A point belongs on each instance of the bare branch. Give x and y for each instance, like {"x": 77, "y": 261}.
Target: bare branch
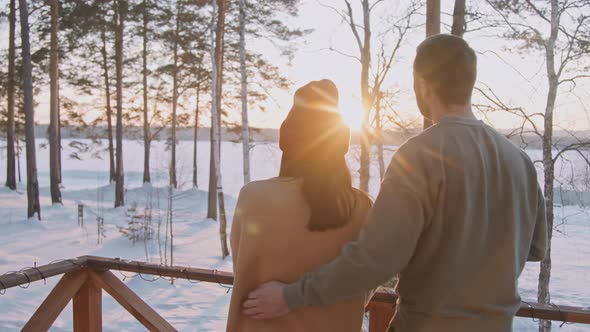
{"x": 539, "y": 12}
{"x": 375, "y": 4}
{"x": 353, "y": 26}
{"x": 341, "y": 53}
{"x": 571, "y": 43}
{"x": 578, "y": 147}
{"x": 513, "y": 25}
{"x": 573, "y": 79}
{"x": 491, "y": 96}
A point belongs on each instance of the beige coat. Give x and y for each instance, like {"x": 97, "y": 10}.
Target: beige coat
{"x": 270, "y": 241}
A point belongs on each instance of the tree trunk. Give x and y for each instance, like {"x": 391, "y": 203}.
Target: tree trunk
{"x": 432, "y": 28}
{"x": 379, "y": 126}
{"x": 54, "y": 106}
{"x": 173, "y": 180}
{"x": 196, "y": 132}
{"x": 458, "y": 18}
{"x": 107, "y": 87}
{"x": 244, "y": 94}
{"x": 10, "y": 137}
{"x": 171, "y": 218}
{"x": 120, "y": 8}
{"x": 216, "y": 98}
{"x": 365, "y": 162}
{"x": 146, "y": 124}
{"x": 59, "y": 147}
{"x": 32, "y": 181}
{"x": 543, "y": 293}
{"x": 18, "y": 158}
{"x": 211, "y": 195}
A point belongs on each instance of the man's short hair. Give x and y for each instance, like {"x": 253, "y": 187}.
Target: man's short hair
{"x": 450, "y": 65}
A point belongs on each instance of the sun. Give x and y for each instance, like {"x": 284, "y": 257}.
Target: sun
{"x": 351, "y": 111}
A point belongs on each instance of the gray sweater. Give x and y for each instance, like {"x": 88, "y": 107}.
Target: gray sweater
{"x": 459, "y": 213}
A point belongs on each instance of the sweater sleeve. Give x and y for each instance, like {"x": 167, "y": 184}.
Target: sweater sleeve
{"x": 384, "y": 247}
{"x": 540, "y": 237}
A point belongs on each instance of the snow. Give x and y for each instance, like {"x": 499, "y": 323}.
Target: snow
{"x": 190, "y": 306}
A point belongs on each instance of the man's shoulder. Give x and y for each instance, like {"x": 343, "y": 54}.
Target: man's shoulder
{"x": 428, "y": 136}
{"x": 416, "y": 146}
{"x": 510, "y": 147}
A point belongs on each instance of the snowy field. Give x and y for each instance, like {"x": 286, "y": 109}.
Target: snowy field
{"x": 196, "y": 306}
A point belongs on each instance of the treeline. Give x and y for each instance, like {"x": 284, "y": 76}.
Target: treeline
{"x": 137, "y": 63}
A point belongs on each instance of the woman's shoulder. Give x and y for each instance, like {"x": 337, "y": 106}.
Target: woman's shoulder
{"x": 269, "y": 186}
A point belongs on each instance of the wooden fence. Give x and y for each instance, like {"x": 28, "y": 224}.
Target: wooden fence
{"x": 85, "y": 277}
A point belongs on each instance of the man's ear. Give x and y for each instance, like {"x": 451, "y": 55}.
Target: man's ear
{"x": 421, "y": 88}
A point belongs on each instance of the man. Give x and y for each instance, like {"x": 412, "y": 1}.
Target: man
{"x": 459, "y": 213}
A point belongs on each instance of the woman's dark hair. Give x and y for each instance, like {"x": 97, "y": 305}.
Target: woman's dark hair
{"x": 327, "y": 187}
{"x": 314, "y": 141}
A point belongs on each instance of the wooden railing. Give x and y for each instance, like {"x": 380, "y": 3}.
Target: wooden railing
{"x": 85, "y": 277}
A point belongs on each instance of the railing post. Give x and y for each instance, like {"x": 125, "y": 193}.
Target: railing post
{"x": 131, "y": 301}
{"x": 88, "y": 308}
{"x": 56, "y": 301}
{"x": 380, "y": 315}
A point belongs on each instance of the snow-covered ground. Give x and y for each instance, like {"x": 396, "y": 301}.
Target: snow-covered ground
{"x": 192, "y": 306}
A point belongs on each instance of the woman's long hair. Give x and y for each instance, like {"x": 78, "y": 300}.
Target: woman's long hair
{"x": 327, "y": 187}
{"x": 314, "y": 141}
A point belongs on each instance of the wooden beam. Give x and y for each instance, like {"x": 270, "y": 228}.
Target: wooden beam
{"x": 27, "y": 276}
{"x": 555, "y": 313}
{"x": 56, "y": 301}
{"x": 578, "y": 315}
{"x": 380, "y": 315}
{"x": 131, "y": 301}
{"x": 182, "y": 272}
{"x": 527, "y": 310}
{"x": 383, "y": 295}
{"x": 88, "y": 308}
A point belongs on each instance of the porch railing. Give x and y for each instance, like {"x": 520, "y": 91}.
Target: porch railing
{"x": 85, "y": 277}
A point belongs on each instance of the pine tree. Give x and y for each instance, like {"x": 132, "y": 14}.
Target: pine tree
{"x": 120, "y": 8}
{"x": 244, "y": 94}
{"x": 175, "y": 69}
{"x": 54, "y": 144}
{"x": 33, "y": 206}
{"x": 146, "y": 124}
{"x": 217, "y": 73}
{"x": 10, "y": 127}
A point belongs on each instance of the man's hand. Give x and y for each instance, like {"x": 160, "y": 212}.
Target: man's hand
{"x": 266, "y": 302}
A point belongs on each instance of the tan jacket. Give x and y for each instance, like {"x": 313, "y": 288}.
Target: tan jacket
{"x": 270, "y": 241}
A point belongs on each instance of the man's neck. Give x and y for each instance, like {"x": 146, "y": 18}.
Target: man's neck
{"x": 456, "y": 111}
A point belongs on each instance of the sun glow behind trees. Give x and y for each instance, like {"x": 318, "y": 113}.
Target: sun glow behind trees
{"x": 509, "y": 73}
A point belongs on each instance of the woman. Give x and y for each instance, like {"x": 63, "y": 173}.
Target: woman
{"x": 288, "y": 225}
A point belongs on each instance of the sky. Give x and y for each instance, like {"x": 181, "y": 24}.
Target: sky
{"x": 517, "y": 78}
